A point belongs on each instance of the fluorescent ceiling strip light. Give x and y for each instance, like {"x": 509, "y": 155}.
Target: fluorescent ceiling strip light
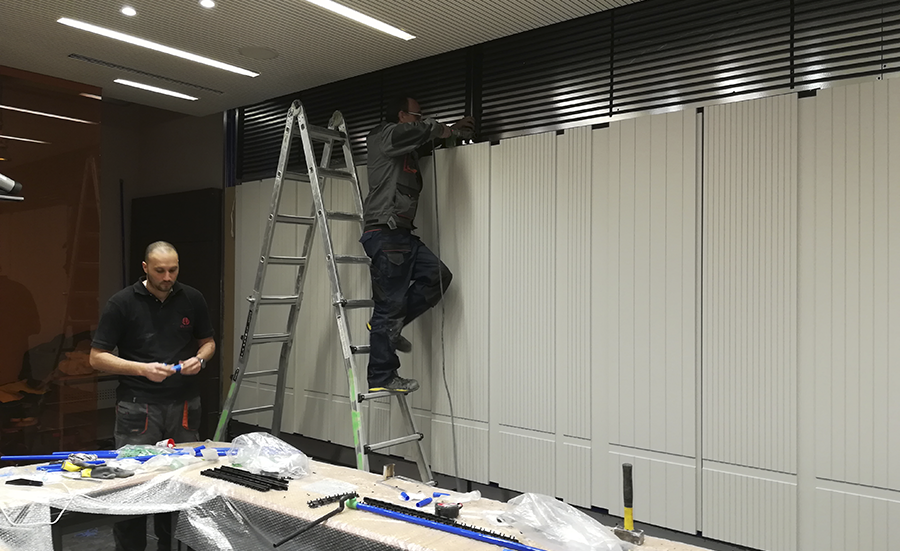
{"x": 22, "y": 139}
{"x": 92, "y": 96}
{"x": 51, "y": 115}
{"x": 154, "y": 89}
{"x": 361, "y": 18}
{"x": 154, "y": 46}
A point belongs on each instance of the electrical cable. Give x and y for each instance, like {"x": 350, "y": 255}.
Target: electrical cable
{"x": 52, "y": 522}
{"x": 437, "y": 234}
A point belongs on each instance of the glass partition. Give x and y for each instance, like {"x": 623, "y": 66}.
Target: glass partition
{"x": 50, "y": 398}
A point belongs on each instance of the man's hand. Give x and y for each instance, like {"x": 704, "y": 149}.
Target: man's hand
{"x": 190, "y": 366}
{"x": 157, "y": 372}
{"x": 464, "y": 127}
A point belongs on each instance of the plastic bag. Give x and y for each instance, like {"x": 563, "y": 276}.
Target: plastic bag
{"x": 168, "y": 462}
{"x": 143, "y": 450}
{"x": 260, "y": 452}
{"x": 557, "y": 526}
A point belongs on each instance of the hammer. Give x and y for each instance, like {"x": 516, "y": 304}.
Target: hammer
{"x": 628, "y": 533}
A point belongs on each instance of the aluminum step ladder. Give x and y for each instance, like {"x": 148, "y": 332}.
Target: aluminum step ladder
{"x": 334, "y": 135}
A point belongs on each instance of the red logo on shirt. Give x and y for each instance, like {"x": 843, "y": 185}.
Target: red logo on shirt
{"x": 185, "y": 322}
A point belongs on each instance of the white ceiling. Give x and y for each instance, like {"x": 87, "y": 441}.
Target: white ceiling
{"x": 315, "y": 46}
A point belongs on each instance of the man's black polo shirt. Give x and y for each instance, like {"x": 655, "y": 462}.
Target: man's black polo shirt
{"x": 147, "y": 330}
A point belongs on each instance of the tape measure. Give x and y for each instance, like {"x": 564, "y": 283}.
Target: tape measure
{"x": 447, "y": 510}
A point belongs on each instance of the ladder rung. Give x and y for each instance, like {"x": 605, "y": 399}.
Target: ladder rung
{"x": 295, "y": 176}
{"x": 396, "y": 441}
{"x": 362, "y": 397}
{"x": 288, "y": 260}
{"x": 263, "y": 338}
{"x": 356, "y": 303}
{"x": 348, "y": 216}
{"x": 360, "y": 348}
{"x": 294, "y": 219}
{"x": 261, "y": 373}
{"x": 251, "y": 410}
{"x": 325, "y": 134}
{"x": 336, "y": 174}
{"x": 287, "y": 299}
{"x": 351, "y": 259}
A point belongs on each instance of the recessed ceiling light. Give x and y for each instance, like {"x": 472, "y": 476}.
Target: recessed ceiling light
{"x": 207, "y": 3}
{"x": 129, "y": 11}
{"x": 154, "y": 89}
{"x": 51, "y": 115}
{"x": 154, "y": 46}
{"x": 364, "y": 19}
{"x": 22, "y": 139}
{"x": 2, "y": 159}
{"x": 92, "y": 96}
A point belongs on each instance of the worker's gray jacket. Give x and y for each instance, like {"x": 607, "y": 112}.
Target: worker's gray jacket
{"x": 393, "y": 166}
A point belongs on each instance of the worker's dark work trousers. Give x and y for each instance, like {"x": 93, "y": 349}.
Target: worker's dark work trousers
{"x": 406, "y": 281}
{"x": 148, "y": 424}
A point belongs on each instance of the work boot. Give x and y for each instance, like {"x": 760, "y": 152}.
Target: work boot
{"x": 401, "y": 343}
{"x": 397, "y": 384}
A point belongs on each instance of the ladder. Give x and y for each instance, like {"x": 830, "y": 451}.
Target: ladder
{"x": 84, "y": 261}
{"x": 334, "y": 135}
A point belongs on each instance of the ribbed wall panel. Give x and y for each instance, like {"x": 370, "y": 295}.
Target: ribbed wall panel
{"x": 459, "y": 235}
{"x": 573, "y": 472}
{"x": 647, "y": 225}
{"x": 603, "y": 319}
{"x": 527, "y": 458}
{"x": 848, "y": 520}
{"x": 472, "y": 446}
{"x": 522, "y": 279}
{"x": 852, "y": 262}
{"x": 572, "y": 259}
{"x": 749, "y": 280}
{"x": 665, "y": 488}
{"x": 763, "y": 517}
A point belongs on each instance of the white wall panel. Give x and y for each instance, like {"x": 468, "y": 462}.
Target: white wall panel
{"x": 644, "y": 358}
{"x": 523, "y": 207}
{"x": 573, "y": 471}
{"x": 851, "y": 262}
{"x": 604, "y": 369}
{"x": 749, "y": 280}
{"x": 648, "y": 224}
{"x": 856, "y": 518}
{"x": 528, "y": 459}
{"x": 571, "y": 255}
{"x": 572, "y": 327}
{"x": 461, "y": 237}
{"x": 472, "y": 445}
{"x": 749, "y": 320}
{"x": 763, "y": 514}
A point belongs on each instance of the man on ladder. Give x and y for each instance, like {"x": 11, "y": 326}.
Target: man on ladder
{"x": 407, "y": 278}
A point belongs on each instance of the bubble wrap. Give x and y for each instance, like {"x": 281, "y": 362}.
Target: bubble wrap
{"x": 209, "y": 518}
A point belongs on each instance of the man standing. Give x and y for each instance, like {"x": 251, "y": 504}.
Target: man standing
{"x": 407, "y": 278}
{"x": 164, "y": 338}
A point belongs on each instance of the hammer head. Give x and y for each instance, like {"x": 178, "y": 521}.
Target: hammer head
{"x": 631, "y": 536}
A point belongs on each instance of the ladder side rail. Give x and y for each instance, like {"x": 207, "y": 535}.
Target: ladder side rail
{"x": 250, "y": 327}
{"x": 338, "y": 122}
{"x": 351, "y": 167}
{"x": 362, "y": 461}
{"x": 299, "y": 284}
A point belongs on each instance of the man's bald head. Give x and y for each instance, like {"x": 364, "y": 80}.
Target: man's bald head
{"x": 158, "y": 247}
